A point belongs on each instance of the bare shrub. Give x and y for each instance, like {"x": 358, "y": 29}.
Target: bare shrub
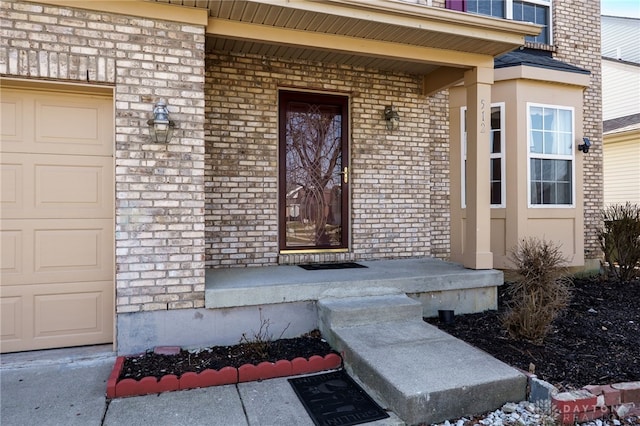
{"x": 541, "y": 291}
{"x": 259, "y": 344}
{"x": 620, "y": 241}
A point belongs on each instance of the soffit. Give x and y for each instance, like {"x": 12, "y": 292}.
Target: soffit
{"x": 394, "y": 25}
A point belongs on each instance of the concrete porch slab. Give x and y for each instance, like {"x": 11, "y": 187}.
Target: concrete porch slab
{"x": 234, "y": 287}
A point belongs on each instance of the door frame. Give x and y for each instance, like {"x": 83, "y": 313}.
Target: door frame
{"x": 343, "y": 101}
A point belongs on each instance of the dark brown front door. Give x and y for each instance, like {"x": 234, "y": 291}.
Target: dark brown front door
{"x": 314, "y": 171}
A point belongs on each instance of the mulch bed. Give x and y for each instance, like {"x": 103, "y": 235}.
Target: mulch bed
{"x": 216, "y": 357}
{"x": 595, "y": 341}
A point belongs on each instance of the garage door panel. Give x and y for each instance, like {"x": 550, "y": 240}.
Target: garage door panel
{"x": 11, "y": 315}
{"x": 48, "y": 186}
{"x": 67, "y": 124}
{"x": 65, "y": 313}
{"x": 45, "y": 316}
{"x": 11, "y": 185}
{"x": 68, "y": 249}
{"x": 11, "y": 256}
{"x": 48, "y": 122}
{"x": 57, "y": 250}
{"x": 56, "y": 222}
{"x": 66, "y": 184}
{"x": 11, "y": 118}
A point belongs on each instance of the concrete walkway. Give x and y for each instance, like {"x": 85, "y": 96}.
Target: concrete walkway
{"x": 56, "y": 388}
{"x": 421, "y": 373}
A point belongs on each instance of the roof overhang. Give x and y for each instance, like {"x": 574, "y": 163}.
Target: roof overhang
{"x": 527, "y": 72}
{"x": 391, "y": 35}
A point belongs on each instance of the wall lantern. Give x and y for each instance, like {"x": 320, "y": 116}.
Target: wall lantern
{"x": 584, "y": 147}
{"x": 391, "y": 117}
{"x": 160, "y": 126}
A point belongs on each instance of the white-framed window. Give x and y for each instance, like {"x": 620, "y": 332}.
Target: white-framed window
{"x": 495, "y": 8}
{"x": 497, "y": 156}
{"x": 537, "y": 12}
{"x": 534, "y": 11}
{"x": 551, "y": 156}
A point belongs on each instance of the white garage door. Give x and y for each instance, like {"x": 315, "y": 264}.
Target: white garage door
{"x": 56, "y": 223}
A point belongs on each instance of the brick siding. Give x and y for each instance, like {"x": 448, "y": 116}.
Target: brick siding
{"x": 159, "y": 212}
{"x": 399, "y": 189}
{"x": 577, "y": 40}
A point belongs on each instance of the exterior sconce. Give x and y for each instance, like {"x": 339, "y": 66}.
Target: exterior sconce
{"x": 160, "y": 126}
{"x": 391, "y": 118}
{"x": 585, "y": 146}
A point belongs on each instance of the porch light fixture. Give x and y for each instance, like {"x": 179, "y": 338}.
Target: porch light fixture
{"x": 391, "y": 117}
{"x": 160, "y": 126}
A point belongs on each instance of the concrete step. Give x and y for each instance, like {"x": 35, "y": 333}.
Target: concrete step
{"x": 421, "y": 373}
{"x": 352, "y": 311}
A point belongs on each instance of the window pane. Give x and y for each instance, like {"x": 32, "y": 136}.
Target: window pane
{"x": 472, "y": 6}
{"x": 528, "y": 12}
{"x": 484, "y": 7}
{"x": 548, "y": 193}
{"x": 565, "y": 144}
{"x": 496, "y": 169}
{"x": 536, "y": 169}
{"x": 541, "y": 15}
{"x": 495, "y": 118}
{"x": 564, "y": 193}
{"x": 495, "y": 142}
{"x": 549, "y": 143}
{"x": 536, "y": 188}
{"x": 548, "y": 170}
{"x": 563, "y": 170}
{"x": 536, "y": 118}
{"x": 536, "y": 141}
{"x": 498, "y": 9}
{"x": 517, "y": 10}
{"x": 564, "y": 120}
{"x": 550, "y": 119}
{"x": 496, "y": 195}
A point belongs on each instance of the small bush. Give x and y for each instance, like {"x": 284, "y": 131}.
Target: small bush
{"x": 259, "y": 344}
{"x": 541, "y": 291}
{"x": 620, "y": 241}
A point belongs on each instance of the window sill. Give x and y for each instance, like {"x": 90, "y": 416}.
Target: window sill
{"x": 540, "y": 46}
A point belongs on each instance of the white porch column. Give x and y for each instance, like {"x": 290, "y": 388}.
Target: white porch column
{"x": 477, "y": 240}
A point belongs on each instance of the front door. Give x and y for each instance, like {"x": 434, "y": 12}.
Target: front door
{"x": 314, "y": 172}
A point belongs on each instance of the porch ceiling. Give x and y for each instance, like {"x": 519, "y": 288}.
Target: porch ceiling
{"x": 390, "y": 35}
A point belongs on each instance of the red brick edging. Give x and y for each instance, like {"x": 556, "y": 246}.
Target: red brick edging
{"x": 224, "y": 376}
{"x": 597, "y": 401}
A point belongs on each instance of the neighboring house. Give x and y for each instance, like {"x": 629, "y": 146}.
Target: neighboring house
{"x": 621, "y": 109}
{"x": 305, "y": 131}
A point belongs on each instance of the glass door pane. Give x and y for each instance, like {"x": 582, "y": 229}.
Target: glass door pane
{"x": 314, "y": 173}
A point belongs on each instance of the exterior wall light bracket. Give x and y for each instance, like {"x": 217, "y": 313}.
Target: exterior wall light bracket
{"x": 584, "y": 147}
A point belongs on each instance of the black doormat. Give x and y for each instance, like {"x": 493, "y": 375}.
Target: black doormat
{"x": 324, "y": 266}
{"x": 334, "y": 399}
